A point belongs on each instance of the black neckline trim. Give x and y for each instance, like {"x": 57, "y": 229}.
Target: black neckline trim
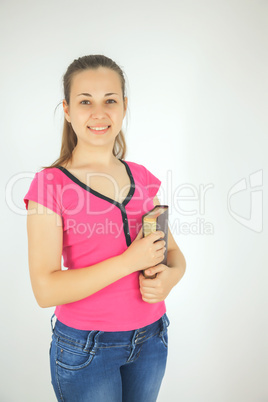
{"x": 96, "y": 193}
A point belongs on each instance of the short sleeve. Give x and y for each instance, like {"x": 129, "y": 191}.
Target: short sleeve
{"x": 45, "y": 191}
{"x": 152, "y": 183}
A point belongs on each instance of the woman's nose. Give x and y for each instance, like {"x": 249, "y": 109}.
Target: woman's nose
{"x": 97, "y": 112}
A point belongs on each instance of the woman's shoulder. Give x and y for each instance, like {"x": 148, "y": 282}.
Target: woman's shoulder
{"x": 135, "y": 165}
{"x": 138, "y": 168}
{"x": 50, "y": 174}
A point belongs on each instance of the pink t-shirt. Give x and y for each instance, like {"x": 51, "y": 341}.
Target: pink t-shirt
{"x": 96, "y": 228}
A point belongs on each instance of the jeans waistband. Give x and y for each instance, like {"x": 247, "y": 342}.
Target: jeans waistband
{"x": 85, "y": 338}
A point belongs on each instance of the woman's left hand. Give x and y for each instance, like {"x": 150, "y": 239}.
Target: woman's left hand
{"x": 157, "y": 289}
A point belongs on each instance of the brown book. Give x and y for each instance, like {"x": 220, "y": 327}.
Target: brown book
{"x": 156, "y": 219}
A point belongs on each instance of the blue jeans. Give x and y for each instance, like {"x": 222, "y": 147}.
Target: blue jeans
{"x": 98, "y": 366}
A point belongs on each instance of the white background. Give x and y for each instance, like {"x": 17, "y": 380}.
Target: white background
{"x": 197, "y": 87}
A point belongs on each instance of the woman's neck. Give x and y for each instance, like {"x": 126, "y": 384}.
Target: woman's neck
{"x": 101, "y": 159}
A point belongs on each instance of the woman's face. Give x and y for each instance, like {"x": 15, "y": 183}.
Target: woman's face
{"x": 96, "y": 108}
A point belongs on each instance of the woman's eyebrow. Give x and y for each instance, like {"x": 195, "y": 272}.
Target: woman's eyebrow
{"x": 108, "y": 94}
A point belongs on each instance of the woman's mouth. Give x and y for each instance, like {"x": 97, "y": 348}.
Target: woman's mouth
{"x": 99, "y": 129}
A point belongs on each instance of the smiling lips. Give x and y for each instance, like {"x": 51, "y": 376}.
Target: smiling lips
{"x": 99, "y": 129}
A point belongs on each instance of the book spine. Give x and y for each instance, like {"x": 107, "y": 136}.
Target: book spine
{"x": 162, "y": 224}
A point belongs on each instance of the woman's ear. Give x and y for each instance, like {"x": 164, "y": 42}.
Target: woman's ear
{"x": 125, "y": 105}
{"x": 66, "y": 110}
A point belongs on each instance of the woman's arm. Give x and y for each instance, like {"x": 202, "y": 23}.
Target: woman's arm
{"x": 155, "y": 290}
{"x": 53, "y": 286}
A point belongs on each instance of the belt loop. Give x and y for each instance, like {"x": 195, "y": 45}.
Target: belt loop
{"x": 92, "y": 341}
{"x": 167, "y": 320}
{"x": 95, "y": 346}
{"x": 89, "y": 340}
{"x": 133, "y": 343}
{"x": 51, "y": 322}
{"x": 165, "y": 323}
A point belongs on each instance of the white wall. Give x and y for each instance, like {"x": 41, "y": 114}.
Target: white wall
{"x": 197, "y": 80}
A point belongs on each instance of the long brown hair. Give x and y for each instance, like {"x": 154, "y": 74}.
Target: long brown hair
{"x": 69, "y": 138}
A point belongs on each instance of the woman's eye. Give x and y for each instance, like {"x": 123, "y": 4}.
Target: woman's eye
{"x": 85, "y": 102}
{"x": 111, "y": 101}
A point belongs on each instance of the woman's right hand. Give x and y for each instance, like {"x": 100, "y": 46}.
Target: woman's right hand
{"x": 145, "y": 252}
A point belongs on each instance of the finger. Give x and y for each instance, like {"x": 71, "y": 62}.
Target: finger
{"x": 157, "y": 235}
{"x": 150, "y": 284}
{"x": 150, "y": 296}
{"x": 146, "y": 276}
{"x": 155, "y": 269}
{"x": 139, "y": 235}
{"x": 160, "y": 255}
{"x": 146, "y": 281}
{"x": 149, "y": 293}
{"x": 160, "y": 245}
{"x": 151, "y": 300}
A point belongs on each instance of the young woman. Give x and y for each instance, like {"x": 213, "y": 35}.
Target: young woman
{"x": 109, "y": 341}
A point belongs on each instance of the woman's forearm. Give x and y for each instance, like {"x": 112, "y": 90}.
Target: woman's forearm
{"x": 67, "y": 286}
{"x": 177, "y": 262}
{"x": 53, "y": 287}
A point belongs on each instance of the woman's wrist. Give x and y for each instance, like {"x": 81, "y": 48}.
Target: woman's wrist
{"x": 126, "y": 265}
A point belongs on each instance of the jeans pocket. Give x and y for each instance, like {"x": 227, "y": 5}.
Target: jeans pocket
{"x": 72, "y": 357}
{"x": 164, "y": 338}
